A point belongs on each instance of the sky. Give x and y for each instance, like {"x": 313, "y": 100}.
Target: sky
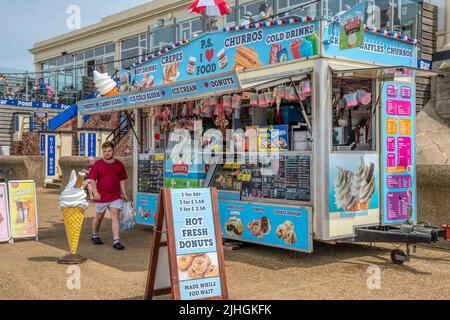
{"x": 25, "y": 22}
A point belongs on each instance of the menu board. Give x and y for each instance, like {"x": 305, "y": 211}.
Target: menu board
{"x": 150, "y": 173}
{"x": 291, "y": 182}
{"x": 398, "y": 152}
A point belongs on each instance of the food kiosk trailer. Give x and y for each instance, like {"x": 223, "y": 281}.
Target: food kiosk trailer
{"x": 336, "y": 120}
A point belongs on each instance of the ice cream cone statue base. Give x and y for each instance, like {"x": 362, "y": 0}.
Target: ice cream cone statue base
{"x": 73, "y": 205}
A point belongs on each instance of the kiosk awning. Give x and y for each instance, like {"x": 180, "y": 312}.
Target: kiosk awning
{"x": 188, "y": 90}
{"x": 383, "y": 73}
{"x": 268, "y": 76}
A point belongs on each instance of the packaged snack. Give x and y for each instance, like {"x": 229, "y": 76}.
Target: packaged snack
{"x": 269, "y": 97}
{"x": 226, "y": 101}
{"x": 213, "y": 101}
{"x": 254, "y": 100}
{"x": 236, "y": 102}
{"x": 364, "y": 98}
{"x": 351, "y": 100}
{"x": 282, "y": 91}
{"x": 306, "y": 88}
{"x": 262, "y": 100}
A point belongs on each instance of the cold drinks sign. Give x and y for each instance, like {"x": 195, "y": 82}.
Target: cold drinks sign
{"x": 193, "y": 247}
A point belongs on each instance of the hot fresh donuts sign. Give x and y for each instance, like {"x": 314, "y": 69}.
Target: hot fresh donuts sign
{"x": 194, "y": 242}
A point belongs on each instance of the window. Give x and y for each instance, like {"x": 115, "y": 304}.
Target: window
{"x": 294, "y": 7}
{"x": 89, "y": 54}
{"x": 354, "y": 119}
{"x": 162, "y": 37}
{"x": 79, "y": 56}
{"x": 100, "y": 51}
{"x": 133, "y": 49}
{"x": 70, "y": 59}
{"x": 110, "y": 48}
{"x": 188, "y": 28}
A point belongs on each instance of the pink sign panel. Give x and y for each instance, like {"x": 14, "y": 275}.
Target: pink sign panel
{"x": 391, "y": 144}
{"x": 399, "y": 182}
{"x": 398, "y": 204}
{"x": 406, "y": 92}
{"x": 404, "y": 151}
{"x": 391, "y": 160}
{"x": 398, "y": 108}
{"x": 4, "y": 214}
{"x": 392, "y": 91}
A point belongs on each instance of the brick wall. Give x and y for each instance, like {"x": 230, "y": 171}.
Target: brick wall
{"x": 125, "y": 147}
{"x": 16, "y": 149}
{"x": 103, "y": 121}
{"x": 31, "y": 144}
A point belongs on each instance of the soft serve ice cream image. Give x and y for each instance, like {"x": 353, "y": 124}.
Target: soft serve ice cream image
{"x": 104, "y": 84}
{"x": 73, "y": 204}
{"x": 354, "y": 190}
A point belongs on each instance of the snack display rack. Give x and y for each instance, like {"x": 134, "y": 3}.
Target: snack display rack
{"x": 340, "y": 122}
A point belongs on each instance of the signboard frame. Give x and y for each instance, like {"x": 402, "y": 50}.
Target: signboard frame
{"x": 164, "y": 238}
{"x": 36, "y": 222}
{"x": 7, "y": 215}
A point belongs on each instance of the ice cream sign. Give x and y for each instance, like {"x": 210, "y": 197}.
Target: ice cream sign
{"x": 352, "y": 27}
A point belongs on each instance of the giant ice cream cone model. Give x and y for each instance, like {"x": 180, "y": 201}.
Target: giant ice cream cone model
{"x": 104, "y": 84}
{"x": 73, "y": 203}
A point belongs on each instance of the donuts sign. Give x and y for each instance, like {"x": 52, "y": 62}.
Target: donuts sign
{"x": 193, "y": 245}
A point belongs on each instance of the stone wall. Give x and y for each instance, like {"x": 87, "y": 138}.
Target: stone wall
{"x": 24, "y": 168}
{"x": 433, "y": 190}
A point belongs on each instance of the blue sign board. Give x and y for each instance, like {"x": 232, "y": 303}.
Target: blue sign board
{"x": 425, "y": 64}
{"x": 146, "y": 208}
{"x": 195, "y": 236}
{"x": 398, "y": 152}
{"x": 218, "y": 52}
{"x": 92, "y": 145}
{"x": 377, "y": 49}
{"x": 33, "y": 104}
{"x": 51, "y": 155}
{"x": 42, "y": 145}
{"x": 82, "y": 144}
{"x": 200, "y": 87}
{"x": 272, "y": 225}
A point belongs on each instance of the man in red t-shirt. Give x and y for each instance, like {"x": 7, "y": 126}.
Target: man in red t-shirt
{"x": 108, "y": 178}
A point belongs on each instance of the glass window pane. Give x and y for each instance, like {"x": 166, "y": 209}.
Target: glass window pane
{"x": 70, "y": 58}
{"x": 100, "y": 51}
{"x": 61, "y": 61}
{"x": 230, "y": 18}
{"x": 89, "y": 54}
{"x": 79, "y": 56}
{"x": 110, "y": 48}
{"x": 196, "y": 26}
{"x": 109, "y": 61}
{"x": 130, "y": 53}
{"x": 130, "y": 43}
{"x": 283, "y": 4}
{"x": 333, "y": 8}
{"x": 409, "y": 14}
{"x": 163, "y": 37}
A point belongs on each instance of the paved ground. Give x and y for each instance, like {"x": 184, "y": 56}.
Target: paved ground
{"x": 29, "y": 270}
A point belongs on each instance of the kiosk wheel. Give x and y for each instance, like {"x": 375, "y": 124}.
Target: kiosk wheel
{"x": 398, "y": 256}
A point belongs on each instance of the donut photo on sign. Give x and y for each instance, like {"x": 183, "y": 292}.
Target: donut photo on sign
{"x": 198, "y": 266}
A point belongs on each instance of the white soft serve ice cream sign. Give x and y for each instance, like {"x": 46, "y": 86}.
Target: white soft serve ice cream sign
{"x": 354, "y": 185}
